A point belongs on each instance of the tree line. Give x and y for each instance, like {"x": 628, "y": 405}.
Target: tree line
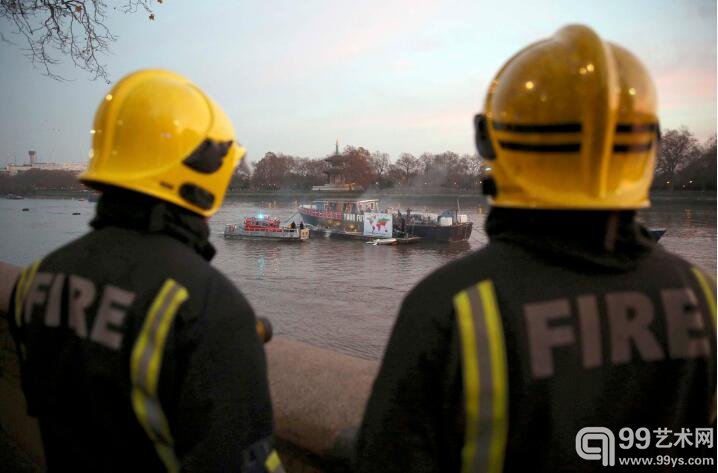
{"x": 683, "y": 163}
{"x": 36, "y": 180}
{"x": 276, "y": 171}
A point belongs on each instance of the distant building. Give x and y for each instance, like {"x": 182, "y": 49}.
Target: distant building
{"x": 12, "y": 169}
{"x": 336, "y": 174}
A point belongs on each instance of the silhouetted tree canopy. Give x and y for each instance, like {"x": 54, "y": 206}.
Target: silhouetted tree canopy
{"x": 697, "y": 171}
{"x": 47, "y": 29}
{"x": 678, "y": 148}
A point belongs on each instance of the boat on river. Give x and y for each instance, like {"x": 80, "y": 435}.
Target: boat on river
{"x": 363, "y": 220}
{"x": 656, "y": 233}
{"x": 347, "y": 219}
{"x": 265, "y": 227}
{"x": 448, "y": 226}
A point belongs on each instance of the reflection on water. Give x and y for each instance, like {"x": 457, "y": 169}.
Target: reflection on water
{"x": 332, "y": 293}
{"x": 690, "y": 230}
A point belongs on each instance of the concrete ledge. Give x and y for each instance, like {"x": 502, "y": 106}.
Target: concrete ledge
{"x": 318, "y": 395}
{"x": 318, "y": 398}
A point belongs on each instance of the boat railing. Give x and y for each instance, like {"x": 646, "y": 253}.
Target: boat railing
{"x": 349, "y": 217}
{"x": 232, "y": 227}
{"x": 259, "y": 228}
{"x": 322, "y": 213}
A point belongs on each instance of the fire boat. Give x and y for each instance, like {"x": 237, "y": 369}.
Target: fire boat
{"x": 267, "y": 228}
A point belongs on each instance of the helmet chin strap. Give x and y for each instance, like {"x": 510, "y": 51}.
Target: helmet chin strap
{"x": 483, "y": 141}
{"x": 486, "y": 150}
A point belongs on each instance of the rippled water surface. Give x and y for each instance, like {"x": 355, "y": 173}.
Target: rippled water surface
{"x": 332, "y": 293}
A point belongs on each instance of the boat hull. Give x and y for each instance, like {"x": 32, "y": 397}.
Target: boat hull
{"x": 288, "y": 235}
{"x": 321, "y": 232}
{"x": 340, "y": 227}
{"x": 442, "y": 234}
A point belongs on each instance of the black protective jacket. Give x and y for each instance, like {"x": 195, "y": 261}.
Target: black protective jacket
{"x": 597, "y": 326}
{"x": 136, "y": 354}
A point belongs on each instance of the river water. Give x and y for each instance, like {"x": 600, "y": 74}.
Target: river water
{"x": 343, "y": 295}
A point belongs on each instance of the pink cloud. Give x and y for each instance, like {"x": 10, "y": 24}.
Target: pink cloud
{"x": 446, "y": 118}
{"x": 388, "y": 21}
{"x": 338, "y": 33}
{"x": 682, "y": 85}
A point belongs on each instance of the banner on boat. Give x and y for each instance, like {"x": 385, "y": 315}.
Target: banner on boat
{"x": 378, "y": 225}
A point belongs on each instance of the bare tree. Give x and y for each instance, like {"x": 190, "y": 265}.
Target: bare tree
{"x": 425, "y": 162}
{"x": 700, "y": 174}
{"x": 475, "y": 164}
{"x": 272, "y": 171}
{"x": 74, "y": 28}
{"x": 380, "y": 163}
{"x": 677, "y": 150}
{"x": 408, "y": 165}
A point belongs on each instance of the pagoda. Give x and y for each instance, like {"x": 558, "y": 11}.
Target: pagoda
{"x": 336, "y": 174}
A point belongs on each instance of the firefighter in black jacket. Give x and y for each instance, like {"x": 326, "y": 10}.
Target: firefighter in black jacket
{"x": 571, "y": 317}
{"x": 136, "y": 354}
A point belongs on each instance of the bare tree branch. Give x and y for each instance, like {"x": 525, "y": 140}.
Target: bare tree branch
{"x": 50, "y": 29}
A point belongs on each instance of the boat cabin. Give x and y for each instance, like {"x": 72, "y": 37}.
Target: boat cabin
{"x": 347, "y": 206}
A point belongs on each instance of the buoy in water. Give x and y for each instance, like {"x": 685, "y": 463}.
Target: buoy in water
{"x": 25, "y": 209}
{"x": 75, "y": 213}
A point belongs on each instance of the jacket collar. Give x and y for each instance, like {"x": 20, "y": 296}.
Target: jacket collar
{"x": 608, "y": 239}
{"x": 127, "y": 209}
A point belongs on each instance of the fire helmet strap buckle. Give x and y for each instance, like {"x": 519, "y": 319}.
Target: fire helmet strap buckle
{"x": 483, "y": 141}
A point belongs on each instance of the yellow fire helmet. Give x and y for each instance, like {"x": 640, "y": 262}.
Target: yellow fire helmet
{"x": 570, "y": 123}
{"x": 158, "y": 134}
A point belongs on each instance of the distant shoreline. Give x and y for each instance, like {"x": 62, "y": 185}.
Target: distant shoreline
{"x": 308, "y": 196}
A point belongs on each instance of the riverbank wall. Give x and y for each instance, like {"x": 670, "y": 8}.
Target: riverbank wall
{"x": 413, "y": 194}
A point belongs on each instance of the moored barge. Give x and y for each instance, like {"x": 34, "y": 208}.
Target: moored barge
{"x": 347, "y": 219}
{"x": 447, "y": 227}
{"x": 361, "y": 219}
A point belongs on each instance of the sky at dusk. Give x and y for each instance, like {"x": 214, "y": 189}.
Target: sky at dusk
{"x": 395, "y": 76}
